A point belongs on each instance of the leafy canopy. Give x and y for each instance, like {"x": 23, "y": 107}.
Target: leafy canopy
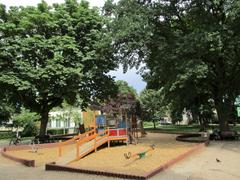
{"x": 190, "y": 49}
{"x": 52, "y": 53}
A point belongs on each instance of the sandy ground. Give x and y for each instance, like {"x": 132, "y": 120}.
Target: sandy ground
{"x": 42, "y": 156}
{"x": 113, "y": 160}
{"x": 202, "y": 165}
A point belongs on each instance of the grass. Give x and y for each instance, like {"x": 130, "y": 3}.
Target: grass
{"x": 183, "y": 128}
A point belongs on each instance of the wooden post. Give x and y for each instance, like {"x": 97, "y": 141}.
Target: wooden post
{"x": 78, "y": 152}
{"x": 60, "y": 149}
{"x": 108, "y": 137}
{"x": 94, "y": 121}
{"x": 95, "y": 144}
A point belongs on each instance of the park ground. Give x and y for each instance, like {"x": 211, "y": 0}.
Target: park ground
{"x": 201, "y": 165}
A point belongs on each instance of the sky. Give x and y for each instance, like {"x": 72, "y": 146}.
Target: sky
{"x": 130, "y": 76}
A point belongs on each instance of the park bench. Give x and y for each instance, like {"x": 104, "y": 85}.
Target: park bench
{"x": 229, "y": 135}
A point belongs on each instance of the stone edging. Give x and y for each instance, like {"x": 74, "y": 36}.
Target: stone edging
{"x": 187, "y": 138}
{"x": 55, "y": 167}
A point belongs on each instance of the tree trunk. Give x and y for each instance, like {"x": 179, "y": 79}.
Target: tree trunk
{"x": 201, "y": 123}
{"x": 223, "y": 114}
{"x": 81, "y": 128}
{"x": 154, "y": 124}
{"x": 44, "y": 121}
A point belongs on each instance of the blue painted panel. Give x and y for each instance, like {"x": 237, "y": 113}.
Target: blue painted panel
{"x": 122, "y": 124}
{"x": 101, "y": 119}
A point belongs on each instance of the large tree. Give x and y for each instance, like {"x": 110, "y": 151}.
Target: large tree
{"x": 153, "y": 105}
{"x": 190, "y": 48}
{"x": 52, "y": 53}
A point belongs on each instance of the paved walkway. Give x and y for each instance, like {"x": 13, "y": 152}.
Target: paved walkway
{"x": 200, "y": 166}
{"x": 204, "y": 166}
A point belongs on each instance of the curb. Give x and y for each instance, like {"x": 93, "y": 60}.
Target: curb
{"x": 55, "y": 167}
{"x": 24, "y": 147}
{"x": 167, "y": 132}
{"x": 187, "y": 138}
{"x": 26, "y": 162}
{"x": 177, "y": 159}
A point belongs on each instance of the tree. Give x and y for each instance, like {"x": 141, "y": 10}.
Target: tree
{"x": 125, "y": 98}
{"x": 6, "y": 110}
{"x": 52, "y": 53}
{"x": 191, "y": 49}
{"x": 153, "y": 105}
{"x": 8, "y": 106}
{"x": 26, "y": 120}
{"x": 124, "y": 88}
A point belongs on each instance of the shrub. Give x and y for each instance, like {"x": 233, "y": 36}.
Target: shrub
{"x": 6, "y": 134}
{"x": 56, "y": 131}
{"x": 30, "y": 129}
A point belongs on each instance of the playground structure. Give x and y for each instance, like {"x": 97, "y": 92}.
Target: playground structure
{"x": 123, "y": 112}
{"x": 91, "y": 140}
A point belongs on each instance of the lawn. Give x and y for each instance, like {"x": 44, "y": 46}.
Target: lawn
{"x": 182, "y": 128}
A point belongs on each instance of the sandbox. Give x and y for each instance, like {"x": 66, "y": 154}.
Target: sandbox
{"x": 41, "y": 157}
{"x": 113, "y": 160}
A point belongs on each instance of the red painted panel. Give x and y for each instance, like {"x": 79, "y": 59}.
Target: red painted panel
{"x": 117, "y": 132}
{"x": 122, "y": 132}
{"x": 112, "y": 132}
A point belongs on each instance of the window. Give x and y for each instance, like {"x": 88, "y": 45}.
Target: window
{"x": 58, "y": 123}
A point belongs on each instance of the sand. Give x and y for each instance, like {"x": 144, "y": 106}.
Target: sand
{"x": 112, "y": 159}
{"x": 42, "y": 156}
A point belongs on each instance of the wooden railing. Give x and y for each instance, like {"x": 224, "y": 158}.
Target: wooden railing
{"x": 101, "y": 135}
{"x": 86, "y": 137}
{"x": 82, "y": 141}
{"x": 75, "y": 138}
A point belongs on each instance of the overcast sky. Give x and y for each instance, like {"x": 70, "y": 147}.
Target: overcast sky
{"x": 131, "y": 77}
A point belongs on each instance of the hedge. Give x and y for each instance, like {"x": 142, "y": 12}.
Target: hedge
{"x": 6, "y": 134}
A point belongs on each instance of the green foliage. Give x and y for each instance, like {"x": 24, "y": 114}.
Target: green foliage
{"x": 190, "y": 48}
{"x": 153, "y": 106}
{"x": 31, "y": 129}
{"x": 24, "y": 118}
{"x": 6, "y": 135}
{"x": 57, "y": 131}
{"x": 53, "y": 53}
{"x": 124, "y": 88}
{"x": 6, "y": 110}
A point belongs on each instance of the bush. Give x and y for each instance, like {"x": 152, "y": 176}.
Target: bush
{"x": 24, "y": 118}
{"x": 30, "y": 129}
{"x": 57, "y": 131}
{"x": 6, "y": 134}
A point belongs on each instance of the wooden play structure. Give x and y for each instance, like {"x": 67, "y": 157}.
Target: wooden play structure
{"x": 124, "y": 114}
{"x": 119, "y": 123}
{"x": 91, "y": 140}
